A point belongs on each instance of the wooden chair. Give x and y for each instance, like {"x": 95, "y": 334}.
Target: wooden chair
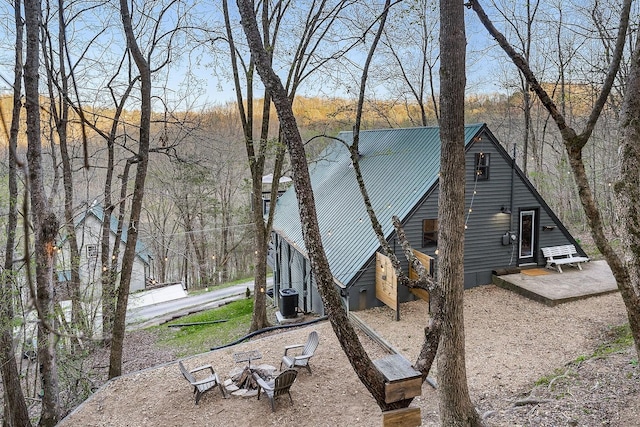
{"x": 202, "y": 386}
{"x": 277, "y": 387}
{"x": 301, "y": 360}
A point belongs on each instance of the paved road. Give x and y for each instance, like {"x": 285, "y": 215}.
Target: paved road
{"x": 147, "y": 315}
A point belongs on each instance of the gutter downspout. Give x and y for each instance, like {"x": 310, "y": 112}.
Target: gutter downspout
{"x": 513, "y": 168}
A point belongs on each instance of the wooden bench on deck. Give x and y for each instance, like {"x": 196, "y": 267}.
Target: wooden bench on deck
{"x": 560, "y": 255}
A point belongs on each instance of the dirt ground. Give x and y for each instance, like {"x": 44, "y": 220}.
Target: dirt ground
{"x": 512, "y": 342}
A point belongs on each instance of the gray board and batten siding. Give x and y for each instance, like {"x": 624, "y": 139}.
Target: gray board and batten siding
{"x": 400, "y": 169}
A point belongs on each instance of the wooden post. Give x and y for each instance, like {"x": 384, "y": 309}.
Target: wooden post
{"x": 405, "y": 417}
{"x": 402, "y": 381}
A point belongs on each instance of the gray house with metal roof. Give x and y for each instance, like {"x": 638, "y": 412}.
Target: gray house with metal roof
{"x": 88, "y": 227}
{"x": 507, "y": 221}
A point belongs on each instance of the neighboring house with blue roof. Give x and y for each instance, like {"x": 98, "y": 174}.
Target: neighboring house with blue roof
{"x": 88, "y": 228}
{"x": 507, "y": 220}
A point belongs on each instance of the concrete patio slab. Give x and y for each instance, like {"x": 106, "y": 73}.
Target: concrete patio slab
{"x": 551, "y": 287}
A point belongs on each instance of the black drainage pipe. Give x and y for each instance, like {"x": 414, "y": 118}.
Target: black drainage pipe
{"x": 270, "y": 328}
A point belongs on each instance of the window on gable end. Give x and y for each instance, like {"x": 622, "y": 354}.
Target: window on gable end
{"x": 429, "y": 232}
{"x": 92, "y": 251}
{"x": 482, "y": 166}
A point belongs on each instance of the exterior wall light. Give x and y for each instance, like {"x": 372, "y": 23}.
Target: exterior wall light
{"x": 505, "y": 210}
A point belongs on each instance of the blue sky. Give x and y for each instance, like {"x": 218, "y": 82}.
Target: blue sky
{"x": 481, "y": 77}
{"x": 212, "y": 85}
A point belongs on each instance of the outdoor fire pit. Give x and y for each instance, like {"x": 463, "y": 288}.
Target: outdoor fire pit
{"x": 242, "y": 383}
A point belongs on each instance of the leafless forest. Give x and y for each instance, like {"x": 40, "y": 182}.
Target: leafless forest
{"x": 154, "y": 112}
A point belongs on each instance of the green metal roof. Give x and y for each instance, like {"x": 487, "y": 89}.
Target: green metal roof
{"x": 399, "y": 166}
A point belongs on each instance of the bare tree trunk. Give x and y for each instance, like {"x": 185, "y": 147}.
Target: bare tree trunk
{"x": 262, "y": 243}
{"x": 45, "y": 224}
{"x": 574, "y": 144}
{"x": 359, "y": 359}
{"x": 629, "y": 191}
{"x": 60, "y": 112}
{"x": 320, "y": 17}
{"x": 456, "y": 408}
{"x": 108, "y": 258}
{"x": 256, "y": 157}
{"x": 107, "y": 276}
{"x": 433, "y": 330}
{"x": 115, "y": 358}
{"x": 194, "y": 240}
{"x": 111, "y": 257}
{"x": 15, "y": 408}
{"x": 259, "y": 317}
{"x": 199, "y": 247}
{"x": 527, "y": 105}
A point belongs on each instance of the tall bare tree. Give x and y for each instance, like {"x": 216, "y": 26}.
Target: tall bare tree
{"x": 142, "y": 160}
{"x": 628, "y": 189}
{"x": 456, "y": 408}
{"x": 45, "y": 223}
{"x": 58, "y": 79}
{"x": 433, "y": 330}
{"x": 452, "y": 271}
{"x": 574, "y": 144}
{"x": 119, "y": 93}
{"x": 306, "y": 40}
{"x": 158, "y": 25}
{"x": 107, "y": 255}
{"x": 523, "y": 28}
{"x": 256, "y": 152}
{"x": 359, "y": 359}
{"x": 15, "y": 407}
